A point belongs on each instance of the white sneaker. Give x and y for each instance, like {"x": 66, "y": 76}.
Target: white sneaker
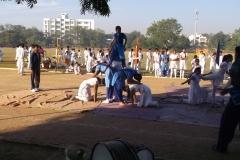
{"x": 106, "y": 101}
{"x": 33, "y": 90}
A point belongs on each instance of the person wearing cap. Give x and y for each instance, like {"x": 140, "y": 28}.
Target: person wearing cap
{"x": 130, "y": 75}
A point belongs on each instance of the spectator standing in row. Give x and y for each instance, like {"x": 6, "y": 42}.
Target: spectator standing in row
{"x": 20, "y": 59}
{"x": 183, "y": 62}
{"x": 130, "y": 57}
{"x": 149, "y": 60}
{"x": 174, "y": 58}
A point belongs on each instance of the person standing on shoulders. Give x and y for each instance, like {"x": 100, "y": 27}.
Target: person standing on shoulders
{"x": 35, "y": 69}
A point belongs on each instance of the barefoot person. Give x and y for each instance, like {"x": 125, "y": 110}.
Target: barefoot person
{"x": 117, "y": 48}
{"x": 118, "y": 81}
{"x": 109, "y": 72}
{"x": 35, "y": 59}
{"x": 231, "y": 114}
{"x": 84, "y": 91}
{"x": 196, "y": 94}
{"x": 145, "y": 95}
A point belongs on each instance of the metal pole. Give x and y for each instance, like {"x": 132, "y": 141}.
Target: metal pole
{"x": 195, "y": 34}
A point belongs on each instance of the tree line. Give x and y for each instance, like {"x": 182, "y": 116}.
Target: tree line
{"x": 161, "y": 34}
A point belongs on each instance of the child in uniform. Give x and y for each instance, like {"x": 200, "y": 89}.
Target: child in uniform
{"x": 77, "y": 69}
{"x": 183, "y": 62}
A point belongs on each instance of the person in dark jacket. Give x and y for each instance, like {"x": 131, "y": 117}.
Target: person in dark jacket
{"x": 35, "y": 69}
{"x": 231, "y": 115}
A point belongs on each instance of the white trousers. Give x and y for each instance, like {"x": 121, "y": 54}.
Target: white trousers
{"x": 182, "y": 73}
{"x": 88, "y": 66}
{"x": 148, "y": 65}
{"x": 173, "y": 70}
{"x": 139, "y": 65}
{"x": 20, "y": 65}
{"x": 80, "y": 60}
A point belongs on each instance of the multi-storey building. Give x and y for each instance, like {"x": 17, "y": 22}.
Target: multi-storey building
{"x": 63, "y": 24}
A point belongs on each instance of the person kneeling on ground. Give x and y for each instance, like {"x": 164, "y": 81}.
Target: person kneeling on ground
{"x": 196, "y": 94}
{"x": 145, "y": 95}
{"x": 84, "y": 91}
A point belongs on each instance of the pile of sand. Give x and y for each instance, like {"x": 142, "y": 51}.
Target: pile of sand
{"x": 53, "y": 99}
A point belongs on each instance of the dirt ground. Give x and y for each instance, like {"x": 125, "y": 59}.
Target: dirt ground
{"x": 40, "y": 133}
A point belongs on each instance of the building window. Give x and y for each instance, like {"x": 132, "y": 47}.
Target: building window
{"x": 71, "y": 22}
{"x": 85, "y": 22}
{"x": 45, "y": 22}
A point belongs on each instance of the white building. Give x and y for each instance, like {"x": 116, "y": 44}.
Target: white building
{"x": 199, "y": 38}
{"x": 63, "y": 24}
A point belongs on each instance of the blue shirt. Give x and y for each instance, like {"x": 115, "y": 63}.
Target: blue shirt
{"x": 119, "y": 37}
{"x": 123, "y": 75}
{"x": 109, "y": 72}
{"x": 165, "y": 58}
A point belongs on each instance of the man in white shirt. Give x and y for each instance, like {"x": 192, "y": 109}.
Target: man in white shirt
{"x": 1, "y": 54}
{"x": 167, "y": 51}
{"x": 68, "y": 52}
{"x": 20, "y": 59}
{"x": 93, "y": 52}
{"x": 130, "y": 57}
{"x": 140, "y": 58}
{"x": 149, "y": 59}
{"x": 85, "y": 53}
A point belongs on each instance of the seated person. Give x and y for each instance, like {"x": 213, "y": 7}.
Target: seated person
{"x": 77, "y": 69}
{"x": 145, "y": 95}
{"x": 196, "y": 94}
{"x": 84, "y": 91}
{"x": 71, "y": 68}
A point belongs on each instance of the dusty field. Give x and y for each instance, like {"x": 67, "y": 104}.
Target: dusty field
{"x": 57, "y": 128}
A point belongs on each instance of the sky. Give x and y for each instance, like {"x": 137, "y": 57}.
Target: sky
{"x": 214, "y": 15}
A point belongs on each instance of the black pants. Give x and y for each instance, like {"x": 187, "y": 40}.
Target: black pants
{"x": 229, "y": 121}
{"x": 35, "y": 78}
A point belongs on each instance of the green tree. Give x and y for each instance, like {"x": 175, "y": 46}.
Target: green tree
{"x": 131, "y": 38}
{"x": 164, "y": 33}
{"x": 235, "y": 40}
{"x": 220, "y": 36}
{"x": 182, "y": 42}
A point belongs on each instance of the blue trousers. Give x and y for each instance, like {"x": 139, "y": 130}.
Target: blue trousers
{"x": 118, "y": 90}
{"x": 109, "y": 92}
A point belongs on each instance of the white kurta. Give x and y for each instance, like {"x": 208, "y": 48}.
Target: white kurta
{"x": 173, "y": 64}
{"x": 148, "y": 62}
{"x": 196, "y": 94}
{"x": 145, "y": 95}
{"x": 202, "y": 60}
{"x": 212, "y": 63}
{"x": 183, "y": 63}
{"x": 157, "y": 60}
{"x": 218, "y": 76}
{"x": 84, "y": 91}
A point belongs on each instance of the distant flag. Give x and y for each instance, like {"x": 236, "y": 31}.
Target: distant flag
{"x": 136, "y": 53}
{"x": 218, "y": 53}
